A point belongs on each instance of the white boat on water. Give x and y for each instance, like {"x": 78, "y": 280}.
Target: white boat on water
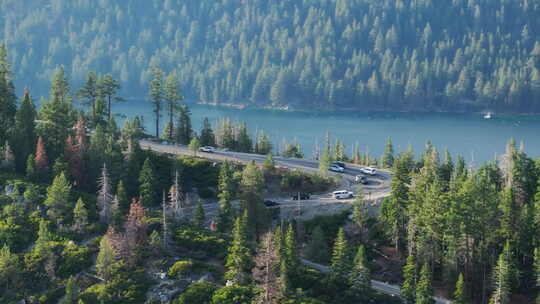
{"x": 488, "y": 115}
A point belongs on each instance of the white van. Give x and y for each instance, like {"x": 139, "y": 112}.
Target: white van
{"x": 343, "y": 194}
{"x": 368, "y": 170}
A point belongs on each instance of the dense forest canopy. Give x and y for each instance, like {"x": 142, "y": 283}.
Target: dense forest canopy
{"x": 364, "y": 54}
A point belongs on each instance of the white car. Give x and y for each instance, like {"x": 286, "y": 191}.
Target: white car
{"x": 336, "y": 168}
{"x": 368, "y": 170}
{"x": 343, "y": 194}
{"x": 207, "y": 149}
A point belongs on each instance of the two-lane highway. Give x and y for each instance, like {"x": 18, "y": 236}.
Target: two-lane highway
{"x": 378, "y": 186}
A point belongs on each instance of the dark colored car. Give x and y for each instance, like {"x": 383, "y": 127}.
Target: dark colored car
{"x": 339, "y": 164}
{"x": 269, "y": 203}
{"x": 301, "y": 196}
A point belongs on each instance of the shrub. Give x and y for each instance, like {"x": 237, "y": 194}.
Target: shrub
{"x": 203, "y": 240}
{"x": 233, "y": 295}
{"x": 200, "y": 293}
{"x": 183, "y": 267}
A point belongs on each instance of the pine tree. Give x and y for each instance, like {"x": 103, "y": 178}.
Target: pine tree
{"x": 148, "y": 184}
{"x": 244, "y": 141}
{"x": 317, "y": 249}
{"x": 269, "y": 164}
{"x": 176, "y": 198}
{"x": 72, "y": 291}
{"x": 8, "y": 100}
{"x": 265, "y": 271}
{"x": 459, "y": 292}
{"x": 106, "y": 260}
{"x": 290, "y": 253}
{"x": 184, "y": 131}
{"x": 41, "y": 160}
{"x": 156, "y": 95}
{"x": 8, "y": 268}
{"x": 360, "y": 211}
{"x": 108, "y": 88}
{"x": 340, "y": 265}
{"x": 199, "y": 215}
{"x": 80, "y": 216}
{"x": 105, "y": 197}
{"x": 408, "y": 288}
{"x": 58, "y": 199}
{"x": 360, "y": 277}
{"x": 424, "y": 291}
{"x": 263, "y": 145}
{"x": 172, "y": 97}
{"x": 207, "y": 137}
{"x": 251, "y": 199}
{"x": 123, "y": 200}
{"x": 326, "y": 157}
{"x": 194, "y": 145}
{"x": 238, "y": 261}
{"x": 387, "y": 159}
{"x": 501, "y": 281}
{"x": 537, "y": 268}
{"x": 25, "y": 131}
{"x": 56, "y": 116}
{"x": 165, "y": 222}
{"x": 89, "y": 92}
{"x": 226, "y": 189}
{"x": 135, "y": 235}
{"x": 31, "y": 173}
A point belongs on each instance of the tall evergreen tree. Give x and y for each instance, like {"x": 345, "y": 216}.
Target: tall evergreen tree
{"x": 360, "y": 277}
{"x": 148, "y": 185}
{"x": 59, "y": 200}
{"x": 172, "y": 97}
{"x": 408, "y": 288}
{"x": 8, "y": 100}
{"x": 184, "y": 131}
{"x": 317, "y": 249}
{"x": 424, "y": 291}
{"x": 25, "y": 131}
{"x": 89, "y": 93}
{"x": 501, "y": 281}
{"x": 207, "y": 137}
{"x": 238, "y": 261}
{"x": 459, "y": 293}
{"x": 199, "y": 215}
{"x": 341, "y": 265}
{"x": 106, "y": 259}
{"x": 387, "y": 159}
{"x": 108, "y": 88}
{"x": 156, "y": 95}
{"x": 80, "y": 216}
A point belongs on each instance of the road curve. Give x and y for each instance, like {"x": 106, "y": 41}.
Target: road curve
{"x": 392, "y": 290}
{"x": 377, "y": 187}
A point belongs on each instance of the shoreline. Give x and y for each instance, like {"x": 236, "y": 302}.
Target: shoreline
{"x": 349, "y": 111}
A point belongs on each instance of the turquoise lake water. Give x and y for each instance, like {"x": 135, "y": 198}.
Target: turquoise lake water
{"x": 469, "y": 135}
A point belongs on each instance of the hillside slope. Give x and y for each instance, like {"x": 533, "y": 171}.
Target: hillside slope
{"x": 365, "y": 54}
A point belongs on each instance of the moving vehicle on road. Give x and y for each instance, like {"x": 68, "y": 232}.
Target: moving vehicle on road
{"x": 336, "y": 168}
{"x": 360, "y": 179}
{"x": 300, "y": 196}
{"x": 368, "y": 170}
{"x": 339, "y": 164}
{"x": 269, "y": 203}
{"x": 343, "y": 194}
{"x": 207, "y": 149}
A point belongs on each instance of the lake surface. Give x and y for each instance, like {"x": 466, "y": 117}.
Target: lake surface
{"x": 469, "y": 135}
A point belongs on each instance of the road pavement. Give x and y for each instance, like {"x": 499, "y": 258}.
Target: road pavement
{"x": 392, "y": 290}
{"x": 378, "y": 186}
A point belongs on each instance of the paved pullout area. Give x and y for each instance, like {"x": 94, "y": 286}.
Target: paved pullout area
{"x": 375, "y": 190}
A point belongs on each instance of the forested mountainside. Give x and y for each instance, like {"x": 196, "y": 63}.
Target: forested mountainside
{"x": 367, "y": 54}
